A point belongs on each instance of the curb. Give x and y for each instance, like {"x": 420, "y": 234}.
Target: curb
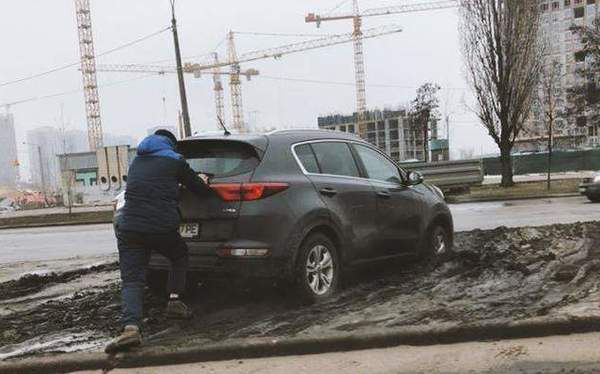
{"x": 53, "y": 224}
{"x": 265, "y": 347}
{"x": 450, "y": 200}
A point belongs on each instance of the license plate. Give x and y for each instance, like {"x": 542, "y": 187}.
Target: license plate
{"x": 189, "y": 230}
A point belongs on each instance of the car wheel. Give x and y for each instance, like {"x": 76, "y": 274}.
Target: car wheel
{"x": 318, "y": 269}
{"x": 437, "y": 243}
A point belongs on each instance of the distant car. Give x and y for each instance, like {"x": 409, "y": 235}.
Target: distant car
{"x": 590, "y": 187}
{"x": 303, "y": 205}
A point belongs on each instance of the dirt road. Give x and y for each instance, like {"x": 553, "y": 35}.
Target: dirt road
{"x": 577, "y": 354}
{"x": 497, "y": 275}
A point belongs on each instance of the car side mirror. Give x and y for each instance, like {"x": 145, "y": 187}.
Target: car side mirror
{"x": 414, "y": 178}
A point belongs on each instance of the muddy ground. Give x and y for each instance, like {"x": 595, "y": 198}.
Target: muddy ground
{"x": 495, "y": 275}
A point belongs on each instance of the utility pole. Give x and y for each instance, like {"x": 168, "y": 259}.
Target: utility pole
{"x": 184, "y": 105}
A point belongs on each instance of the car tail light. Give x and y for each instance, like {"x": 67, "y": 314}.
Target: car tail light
{"x": 247, "y": 191}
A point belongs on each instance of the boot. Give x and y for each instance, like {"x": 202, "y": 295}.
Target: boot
{"x": 130, "y": 337}
{"x": 176, "y": 309}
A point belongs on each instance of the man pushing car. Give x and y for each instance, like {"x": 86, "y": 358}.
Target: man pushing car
{"x": 149, "y": 221}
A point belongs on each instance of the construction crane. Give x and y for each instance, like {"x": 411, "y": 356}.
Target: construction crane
{"x": 357, "y": 36}
{"x": 88, "y": 71}
{"x": 162, "y": 70}
{"x": 218, "y": 89}
{"x": 276, "y": 52}
{"x": 235, "y": 87}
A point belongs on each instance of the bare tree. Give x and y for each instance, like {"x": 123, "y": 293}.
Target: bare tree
{"x": 424, "y": 110}
{"x": 503, "y": 57}
{"x": 549, "y": 102}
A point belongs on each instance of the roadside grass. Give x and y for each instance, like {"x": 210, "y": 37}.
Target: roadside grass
{"x": 519, "y": 190}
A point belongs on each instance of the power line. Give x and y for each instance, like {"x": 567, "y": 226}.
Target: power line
{"x": 64, "y": 67}
{"x": 79, "y": 90}
{"x": 337, "y": 83}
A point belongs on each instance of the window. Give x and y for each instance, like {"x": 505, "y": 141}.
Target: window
{"x": 380, "y": 125}
{"x": 591, "y": 2}
{"x": 567, "y": 2}
{"x": 377, "y": 166}
{"x": 343, "y": 128}
{"x": 219, "y": 158}
{"x": 351, "y": 128}
{"x": 578, "y": 12}
{"x": 580, "y": 56}
{"x": 394, "y": 134}
{"x": 555, "y": 5}
{"x": 335, "y": 158}
{"x": 307, "y": 158}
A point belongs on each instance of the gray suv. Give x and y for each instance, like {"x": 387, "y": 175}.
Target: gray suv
{"x": 304, "y": 205}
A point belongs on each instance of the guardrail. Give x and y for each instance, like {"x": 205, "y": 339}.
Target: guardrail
{"x": 450, "y": 174}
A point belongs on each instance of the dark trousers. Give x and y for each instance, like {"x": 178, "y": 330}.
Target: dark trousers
{"x": 134, "y": 254}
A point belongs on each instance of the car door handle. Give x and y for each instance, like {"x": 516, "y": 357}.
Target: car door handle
{"x": 328, "y": 191}
{"x": 384, "y": 194}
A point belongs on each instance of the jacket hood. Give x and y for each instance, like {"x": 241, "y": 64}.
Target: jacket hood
{"x": 157, "y": 145}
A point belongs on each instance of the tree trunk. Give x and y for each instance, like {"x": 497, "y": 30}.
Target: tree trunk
{"x": 507, "y": 168}
{"x": 550, "y": 141}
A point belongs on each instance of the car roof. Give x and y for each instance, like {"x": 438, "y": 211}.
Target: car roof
{"x": 289, "y": 136}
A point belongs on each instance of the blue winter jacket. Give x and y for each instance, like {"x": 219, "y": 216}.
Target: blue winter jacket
{"x": 151, "y": 195}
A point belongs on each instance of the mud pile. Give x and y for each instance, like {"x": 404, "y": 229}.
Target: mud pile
{"x": 494, "y": 275}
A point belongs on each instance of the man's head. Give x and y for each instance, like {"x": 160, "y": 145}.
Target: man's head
{"x": 168, "y": 134}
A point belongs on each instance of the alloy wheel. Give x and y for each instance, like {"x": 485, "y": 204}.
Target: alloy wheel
{"x": 319, "y": 269}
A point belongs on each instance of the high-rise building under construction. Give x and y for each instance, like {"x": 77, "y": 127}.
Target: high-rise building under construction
{"x": 9, "y": 163}
{"x": 564, "y": 47}
{"x": 389, "y": 130}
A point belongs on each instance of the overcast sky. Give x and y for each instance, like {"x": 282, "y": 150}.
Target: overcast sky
{"x": 37, "y": 35}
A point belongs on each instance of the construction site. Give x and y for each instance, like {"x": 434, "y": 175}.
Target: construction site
{"x": 414, "y": 242}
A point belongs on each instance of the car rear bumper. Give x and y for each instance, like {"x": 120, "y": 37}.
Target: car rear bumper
{"x": 203, "y": 259}
{"x": 589, "y": 189}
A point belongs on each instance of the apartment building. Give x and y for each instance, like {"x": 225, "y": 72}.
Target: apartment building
{"x": 389, "y": 130}
{"x": 564, "y": 47}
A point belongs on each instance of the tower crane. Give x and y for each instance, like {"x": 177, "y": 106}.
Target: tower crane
{"x": 357, "y": 36}
{"x": 276, "y": 52}
{"x": 234, "y": 61}
{"x": 88, "y": 71}
{"x": 162, "y": 70}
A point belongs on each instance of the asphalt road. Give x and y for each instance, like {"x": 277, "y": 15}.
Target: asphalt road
{"x": 52, "y": 243}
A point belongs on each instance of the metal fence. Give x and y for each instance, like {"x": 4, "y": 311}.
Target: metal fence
{"x": 562, "y": 161}
{"x": 450, "y": 174}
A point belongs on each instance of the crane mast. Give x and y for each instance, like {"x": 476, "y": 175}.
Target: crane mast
{"x": 218, "y": 89}
{"x": 359, "y": 64}
{"x": 235, "y": 86}
{"x": 88, "y": 71}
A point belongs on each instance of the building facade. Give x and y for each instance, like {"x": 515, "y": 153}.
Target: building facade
{"x": 390, "y": 131}
{"x": 9, "y": 163}
{"x": 44, "y": 144}
{"x": 563, "y": 47}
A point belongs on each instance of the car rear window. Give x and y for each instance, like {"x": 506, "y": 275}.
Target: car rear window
{"x": 220, "y": 158}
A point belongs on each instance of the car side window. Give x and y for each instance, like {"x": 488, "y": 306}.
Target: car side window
{"x": 307, "y": 158}
{"x": 377, "y": 166}
{"x": 335, "y": 158}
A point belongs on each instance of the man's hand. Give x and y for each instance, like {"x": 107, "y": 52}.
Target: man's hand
{"x": 204, "y": 178}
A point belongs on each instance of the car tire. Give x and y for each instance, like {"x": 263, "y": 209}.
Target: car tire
{"x": 436, "y": 243}
{"x": 318, "y": 271}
